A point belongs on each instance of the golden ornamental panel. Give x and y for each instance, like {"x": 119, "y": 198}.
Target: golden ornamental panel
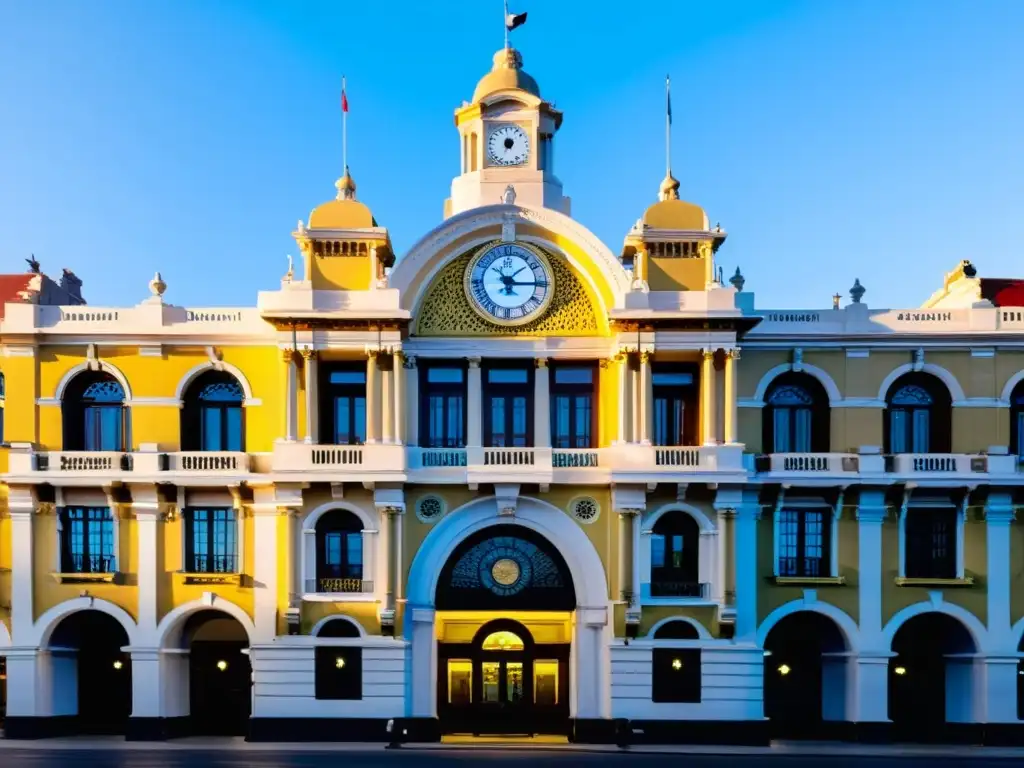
{"x": 446, "y": 310}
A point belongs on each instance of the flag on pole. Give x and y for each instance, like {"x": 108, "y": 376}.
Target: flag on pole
{"x": 668, "y": 100}
{"x": 344, "y": 98}
{"x": 513, "y": 20}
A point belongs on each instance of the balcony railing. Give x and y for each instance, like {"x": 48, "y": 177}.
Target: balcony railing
{"x": 941, "y": 464}
{"x": 83, "y": 461}
{"x": 363, "y": 460}
{"x": 337, "y": 586}
{"x": 205, "y": 461}
{"x": 817, "y": 463}
{"x": 574, "y": 458}
{"x": 212, "y": 564}
{"x": 695, "y": 589}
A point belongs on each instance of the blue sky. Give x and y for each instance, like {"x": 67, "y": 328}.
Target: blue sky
{"x": 873, "y": 139}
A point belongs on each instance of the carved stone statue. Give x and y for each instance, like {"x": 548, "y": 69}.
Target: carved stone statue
{"x": 509, "y": 198}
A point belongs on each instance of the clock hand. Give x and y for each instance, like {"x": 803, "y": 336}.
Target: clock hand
{"x": 517, "y": 271}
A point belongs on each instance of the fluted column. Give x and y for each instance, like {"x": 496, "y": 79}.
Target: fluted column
{"x": 372, "y": 397}
{"x": 542, "y": 405}
{"x": 707, "y": 399}
{"x": 622, "y": 361}
{"x": 309, "y": 358}
{"x": 474, "y": 405}
{"x": 644, "y": 396}
{"x": 387, "y": 399}
{"x": 730, "y": 406}
{"x": 412, "y": 399}
{"x": 291, "y": 386}
{"x": 398, "y": 390}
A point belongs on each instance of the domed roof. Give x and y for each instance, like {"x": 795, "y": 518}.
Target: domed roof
{"x": 672, "y": 213}
{"x": 344, "y": 212}
{"x": 507, "y": 74}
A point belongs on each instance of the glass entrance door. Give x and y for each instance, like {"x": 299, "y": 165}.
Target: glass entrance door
{"x": 502, "y": 682}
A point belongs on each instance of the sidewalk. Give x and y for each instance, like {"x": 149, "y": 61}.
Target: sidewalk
{"x": 803, "y": 749}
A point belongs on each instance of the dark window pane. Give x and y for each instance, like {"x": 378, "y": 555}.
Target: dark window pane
{"x": 347, "y": 377}
{"x": 672, "y": 379}
{"x": 445, "y": 375}
{"x": 508, "y": 376}
{"x": 574, "y": 375}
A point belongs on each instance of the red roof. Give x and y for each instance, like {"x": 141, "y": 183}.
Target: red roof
{"x": 1003, "y": 292}
{"x": 10, "y": 287}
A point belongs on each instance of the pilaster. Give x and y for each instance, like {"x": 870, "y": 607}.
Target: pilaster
{"x": 290, "y": 395}
{"x": 372, "y": 397}
{"x": 708, "y": 389}
{"x": 542, "y": 405}
{"x": 999, "y": 515}
{"x": 871, "y": 514}
{"x": 22, "y": 503}
{"x": 747, "y": 509}
{"x": 412, "y": 399}
{"x": 309, "y": 358}
{"x": 474, "y": 405}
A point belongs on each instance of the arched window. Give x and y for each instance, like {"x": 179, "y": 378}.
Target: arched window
{"x": 675, "y": 550}
{"x": 339, "y": 553}
{"x": 1017, "y": 421}
{"x": 212, "y": 419}
{"x": 796, "y": 418}
{"x": 95, "y": 416}
{"x": 917, "y": 415}
{"x": 677, "y": 629}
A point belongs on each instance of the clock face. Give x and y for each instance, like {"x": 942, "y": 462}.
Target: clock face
{"x": 509, "y": 283}
{"x": 508, "y": 145}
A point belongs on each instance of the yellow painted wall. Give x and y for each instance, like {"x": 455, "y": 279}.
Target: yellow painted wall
{"x": 341, "y": 273}
{"x": 665, "y": 274}
{"x": 5, "y": 562}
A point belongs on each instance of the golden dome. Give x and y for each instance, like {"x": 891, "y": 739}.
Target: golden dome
{"x": 507, "y": 74}
{"x": 344, "y": 212}
{"x": 671, "y": 212}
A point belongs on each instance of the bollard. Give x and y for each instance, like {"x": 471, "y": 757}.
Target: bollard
{"x": 623, "y": 733}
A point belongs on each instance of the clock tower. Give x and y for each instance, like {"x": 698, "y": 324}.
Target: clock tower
{"x": 506, "y": 137}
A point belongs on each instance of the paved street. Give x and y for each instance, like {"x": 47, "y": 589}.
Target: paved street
{"x": 31, "y": 756}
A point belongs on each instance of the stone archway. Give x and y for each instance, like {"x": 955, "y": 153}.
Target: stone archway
{"x": 589, "y": 688}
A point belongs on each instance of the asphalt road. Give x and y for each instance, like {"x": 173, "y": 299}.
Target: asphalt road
{"x": 157, "y": 758}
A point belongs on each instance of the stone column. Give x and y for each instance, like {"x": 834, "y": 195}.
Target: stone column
{"x": 387, "y": 399}
{"x": 309, "y": 357}
{"x": 730, "y": 405}
{"x": 592, "y": 664}
{"x": 542, "y": 405}
{"x": 398, "y": 390}
{"x": 372, "y": 397}
{"x": 412, "y": 400}
{"x": 22, "y": 504}
{"x": 622, "y": 362}
{"x": 748, "y": 512}
{"x": 291, "y": 417}
{"x": 384, "y": 567}
{"x": 625, "y": 569}
{"x": 397, "y": 569}
{"x": 708, "y": 415}
{"x": 146, "y": 507}
{"x": 721, "y": 550}
{"x": 999, "y": 704}
{"x": 634, "y": 583}
{"x": 265, "y": 511}
{"x": 646, "y": 394}
{"x": 474, "y": 405}
{"x": 419, "y": 630}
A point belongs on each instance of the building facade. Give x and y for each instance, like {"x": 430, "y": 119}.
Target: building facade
{"x": 514, "y": 482}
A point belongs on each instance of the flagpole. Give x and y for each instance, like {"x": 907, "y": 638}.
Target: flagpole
{"x": 344, "y": 128}
{"x": 504, "y": 23}
{"x": 668, "y": 128}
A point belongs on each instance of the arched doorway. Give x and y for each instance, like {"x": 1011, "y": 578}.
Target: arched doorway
{"x": 931, "y": 676}
{"x": 505, "y": 675}
{"x": 219, "y": 673}
{"x": 92, "y": 674}
{"x": 804, "y": 676}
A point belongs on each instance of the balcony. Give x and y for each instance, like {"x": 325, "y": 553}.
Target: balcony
{"x": 940, "y": 468}
{"x": 31, "y": 465}
{"x": 341, "y": 587}
{"x": 669, "y": 464}
{"x": 356, "y": 463}
{"x": 818, "y": 468}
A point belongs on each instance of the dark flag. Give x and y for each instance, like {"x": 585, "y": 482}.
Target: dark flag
{"x": 513, "y": 20}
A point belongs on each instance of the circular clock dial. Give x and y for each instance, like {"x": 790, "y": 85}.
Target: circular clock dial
{"x": 509, "y": 283}
{"x": 508, "y": 145}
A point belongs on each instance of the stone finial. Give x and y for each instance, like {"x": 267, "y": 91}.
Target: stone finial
{"x": 290, "y": 274}
{"x": 738, "y": 281}
{"x": 858, "y": 291}
{"x": 157, "y": 286}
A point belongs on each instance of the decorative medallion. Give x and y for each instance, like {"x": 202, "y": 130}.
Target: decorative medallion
{"x": 429, "y": 509}
{"x": 585, "y": 509}
{"x": 509, "y": 283}
{"x": 506, "y": 572}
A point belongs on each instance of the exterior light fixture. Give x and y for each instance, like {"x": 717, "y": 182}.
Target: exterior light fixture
{"x": 339, "y": 663}
{"x": 784, "y": 669}
{"x": 222, "y": 665}
{"x": 900, "y": 670}
{"x": 118, "y": 664}
{"x": 677, "y": 664}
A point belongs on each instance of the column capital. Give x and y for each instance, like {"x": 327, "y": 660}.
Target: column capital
{"x": 872, "y": 514}
{"x": 408, "y": 361}
{"x": 629, "y": 511}
{"x": 708, "y": 353}
{"x": 541, "y": 362}
{"x": 372, "y": 353}
{"x": 287, "y": 354}
{"x": 309, "y": 354}
{"x": 645, "y": 357}
{"x": 733, "y": 354}
{"x": 474, "y": 362}
{"x": 999, "y": 514}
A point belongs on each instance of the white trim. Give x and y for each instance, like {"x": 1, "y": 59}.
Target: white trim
{"x": 315, "y": 631}
{"x": 206, "y": 365}
{"x": 44, "y": 626}
{"x": 834, "y": 395}
{"x": 847, "y": 626}
{"x": 956, "y": 392}
{"x": 971, "y": 623}
{"x": 702, "y": 633}
{"x": 706, "y": 526}
{"x": 175, "y": 620}
{"x": 709, "y": 544}
{"x": 1010, "y": 385}
{"x": 85, "y": 366}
